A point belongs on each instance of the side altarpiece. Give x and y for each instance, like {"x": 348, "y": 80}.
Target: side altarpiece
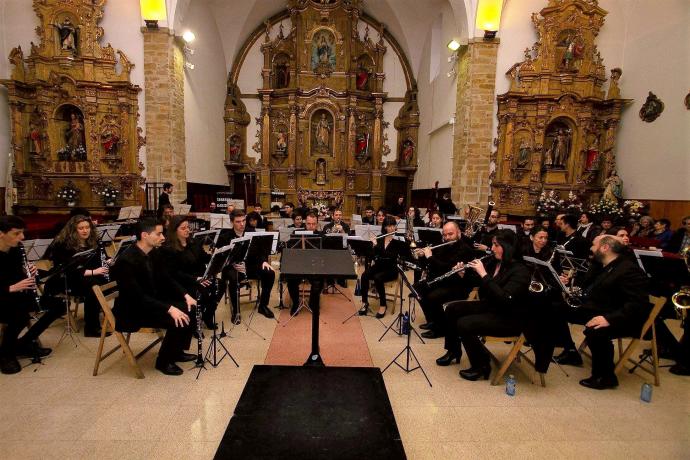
{"x": 73, "y": 115}
{"x": 321, "y": 129}
{"x": 556, "y": 126}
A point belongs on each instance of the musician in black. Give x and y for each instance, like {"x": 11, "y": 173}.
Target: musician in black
{"x": 387, "y": 250}
{"x": 337, "y": 225}
{"x": 569, "y": 237}
{"x": 250, "y": 269}
{"x": 79, "y": 234}
{"x": 297, "y": 222}
{"x": 164, "y": 198}
{"x": 435, "y": 220}
{"x": 369, "y": 218}
{"x": 616, "y": 304}
{"x": 380, "y": 215}
{"x": 438, "y": 262}
{"x": 414, "y": 216}
{"x": 141, "y": 284}
{"x": 261, "y": 221}
{"x": 482, "y": 239}
{"x": 499, "y": 312}
{"x": 18, "y": 299}
{"x": 312, "y": 225}
{"x": 528, "y": 225}
{"x": 446, "y": 205}
{"x": 184, "y": 260}
{"x": 538, "y": 246}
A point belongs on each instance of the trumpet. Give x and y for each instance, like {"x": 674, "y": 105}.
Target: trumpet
{"x": 452, "y": 272}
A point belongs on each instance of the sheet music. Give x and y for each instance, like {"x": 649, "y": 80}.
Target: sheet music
{"x": 220, "y": 221}
{"x": 284, "y": 234}
{"x": 542, "y": 263}
{"x": 367, "y": 232}
{"x": 124, "y": 244}
{"x": 206, "y": 233}
{"x": 107, "y": 233}
{"x": 182, "y": 209}
{"x": 203, "y": 216}
{"x": 342, "y": 236}
{"x": 129, "y": 212}
{"x": 356, "y": 220}
{"x": 304, "y": 232}
{"x": 401, "y": 226}
{"x": 322, "y": 224}
{"x": 646, "y": 253}
{"x": 281, "y": 222}
{"x": 417, "y": 229}
{"x": 508, "y": 227}
{"x": 36, "y": 249}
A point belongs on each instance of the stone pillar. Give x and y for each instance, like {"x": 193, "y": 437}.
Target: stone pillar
{"x": 164, "y": 102}
{"x": 473, "y": 139}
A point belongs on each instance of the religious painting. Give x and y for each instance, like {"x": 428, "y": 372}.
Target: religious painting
{"x": 320, "y": 171}
{"x": 281, "y": 71}
{"x": 234, "y": 148}
{"x": 323, "y": 52}
{"x": 570, "y": 50}
{"x": 71, "y": 121}
{"x": 557, "y": 144}
{"x": 322, "y": 132}
{"x": 110, "y": 140}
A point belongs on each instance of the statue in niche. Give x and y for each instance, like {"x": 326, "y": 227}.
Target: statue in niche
{"x": 110, "y": 142}
{"x": 234, "y": 148}
{"x": 407, "y": 151}
{"x": 281, "y": 144}
{"x": 524, "y": 150}
{"x": 613, "y": 187}
{"x": 320, "y": 171}
{"x": 592, "y": 162}
{"x": 35, "y": 139}
{"x": 574, "y": 50}
{"x": 282, "y": 75}
{"x": 652, "y": 108}
{"x": 322, "y": 133}
{"x": 68, "y": 36}
{"x": 362, "y": 147}
{"x": 558, "y": 150}
{"x": 75, "y": 150}
{"x": 363, "y": 75}
{"x": 614, "y": 92}
{"x": 323, "y": 51}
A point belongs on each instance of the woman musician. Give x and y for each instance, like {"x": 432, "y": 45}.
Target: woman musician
{"x": 503, "y": 285}
{"x": 79, "y": 234}
{"x": 185, "y": 261}
{"x": 413, "y": 217}
{"x": 435, "y": 220}
{"x": 387, "y": 250}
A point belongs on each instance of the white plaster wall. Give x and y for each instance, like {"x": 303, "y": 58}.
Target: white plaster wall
{"x": 204, "y": 98}
{"x": 436, "y": 101}
{"x": 651, "y": 43}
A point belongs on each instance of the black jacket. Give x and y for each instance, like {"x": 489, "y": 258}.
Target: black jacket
{"x": 11, "y": 272}
{"x": 505, "y": 293}
{"x": 184, "y": 266}
{"x": 385, "y": 258}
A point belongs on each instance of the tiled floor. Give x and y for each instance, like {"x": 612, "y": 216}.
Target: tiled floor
{"x": 59, "y": 410}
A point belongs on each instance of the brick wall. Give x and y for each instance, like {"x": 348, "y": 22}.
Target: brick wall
{"x": 164, "y": 102}
{"x": 473, "y": 139}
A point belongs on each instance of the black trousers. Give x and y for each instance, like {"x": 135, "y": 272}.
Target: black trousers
{"x": 466, "y": 320}
{"x": 599, "y": 340}
{"x": 266, "y": 278}
{"x": 314, "y": 292}
{"x": 379, "y": 277}
{"x": 176, "y": 340}
{"x": 432, "y": 300}
{"x": 17, "y": 318}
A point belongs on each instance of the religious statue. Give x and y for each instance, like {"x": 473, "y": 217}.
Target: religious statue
{"x": 362, "y": 147}
{"x": 592, "y": 162}
{"x": 407, "y": 151}
{"x": 574, "y": 49}
{"x": 282, "y": 75}
{"x": 323, "y": 132}
{"x": 362, "y": 81}
{"x": 281, "y": 143}
{"x": 35, "y": 139}
{"x": 234, "y": 148}
{"x": 67, "y": 33}
{"x": 614, "y": 92}
{"x": 110, "y": 142}
{"x": 320, "y": 171}
{"x": 613, "y": 187}
{"x": 652, "y": 108}
{"x": 523, "y": 154}
{"x": 323, "y": 52}
{"x": 75, "y": 150}
{"x": 559, "y": 151}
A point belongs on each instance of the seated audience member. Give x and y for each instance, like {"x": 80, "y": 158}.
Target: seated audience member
{"x": 140, "y": 301}
{"x": 503, "y": 288}
{"x": 606, "y": 224}
{"x": 616, "y": 304}
{"x": 586, "y": 226}
{"x": 681, "y": 238}
{"x": 369, "y": 218}
{"x": 645, "y": 229}
{"x": 662, "y": 233}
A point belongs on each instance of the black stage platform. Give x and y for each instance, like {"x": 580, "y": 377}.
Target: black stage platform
{"x": 313, "y": 413}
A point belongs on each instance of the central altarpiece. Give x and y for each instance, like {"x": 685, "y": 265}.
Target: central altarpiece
{"x": 321, "y": 129}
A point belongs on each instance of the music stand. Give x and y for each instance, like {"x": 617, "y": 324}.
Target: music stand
{"x": 335, "y": 241}
{"x": 218, "y": 260}
{"x": 220, "y": 221}
{"x": 367, "y": 232}
{"x": 209, "y": 237}
{"x": 408, "y": 348}
{"x": 77, "y": 262}
{"x": 260, "y": 246}
{"x": 129, "y": 213}
{"x": 428, "y": 236}
{"x": 124, "y": 245}
{"x": 107, "y": 233}
{"x": 36, "y": 249}
{"x": 305, "y": 240}
{"x": 182, "y": 209}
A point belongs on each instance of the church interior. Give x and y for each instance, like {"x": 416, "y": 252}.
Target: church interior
{"x": 521, "y": 125}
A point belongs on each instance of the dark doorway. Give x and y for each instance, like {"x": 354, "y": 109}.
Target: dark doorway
{"x": 395, "y": 186}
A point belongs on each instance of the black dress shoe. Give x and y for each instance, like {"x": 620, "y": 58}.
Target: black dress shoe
{"x": 475, "y": 373}
{"x": 427, "y": 326}
{"x": 600, "y": 383}
{"x": 364, "y": 310}
{"x": 679, "y": 369}
{"x": 32, "y": 350}
{"x": 447, "y": 359}
{"x": 185, "y": 358}
{"x": 432, "y": 334}
{"x": 169, "y": 368}
{"x": 264, "y": 310}
{"x": 569, "y": 357}
{"x": 95, "y": 333}
{"x": 380, "y": 315}
{"x": 9, "y": 365}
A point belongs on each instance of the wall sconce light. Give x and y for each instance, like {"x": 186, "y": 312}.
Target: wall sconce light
{"x": 489, "y": 17}
{"x": 188, "y": 37}
{"x": 453, "y": 45}
{"x": 153, "y": 11}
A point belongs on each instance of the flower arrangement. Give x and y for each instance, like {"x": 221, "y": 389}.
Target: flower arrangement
{"x": 69, "y": 193}
{"x": 549, "y": 203}
{"x": 573, "y": 205}
{"x": 109, "y": 194}
{"x": 633, "y": 208}
{"x": 606, "y": 208}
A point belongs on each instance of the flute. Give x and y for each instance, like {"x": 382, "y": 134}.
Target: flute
{"x": 452, "y": 272}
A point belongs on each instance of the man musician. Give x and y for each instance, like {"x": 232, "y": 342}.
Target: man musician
{"x": 439, "y": 261}
{"x": 249, "y": 269}
{"x": 312, "y": 225}
{"x": 141, "y": 285}
{"x": 369, "y": 218}
{"x": 337, "y": 225}
{"x": 570, "y": 238}
{"x": 481, "y": 241}
{"x": 616, "y": 304}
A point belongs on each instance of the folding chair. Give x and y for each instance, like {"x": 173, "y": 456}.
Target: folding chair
{"x": 123, "y": 340}
{"x": 515, "y": 354}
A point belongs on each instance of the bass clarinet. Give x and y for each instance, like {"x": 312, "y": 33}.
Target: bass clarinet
{"x": 27, "y": 269}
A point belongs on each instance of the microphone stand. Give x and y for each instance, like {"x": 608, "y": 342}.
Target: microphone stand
{"x": 408, "y": 349}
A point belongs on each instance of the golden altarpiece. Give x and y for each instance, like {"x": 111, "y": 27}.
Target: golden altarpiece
{"x": 73, "y": 115}
{"x": 557, "y": 127}
{"x": 321, "y": 129}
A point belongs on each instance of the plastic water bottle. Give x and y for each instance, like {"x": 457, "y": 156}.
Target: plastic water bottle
{"x": 646, "y": 393}
{"x": 405, "y": 327}
{"x": 510, "y": 385}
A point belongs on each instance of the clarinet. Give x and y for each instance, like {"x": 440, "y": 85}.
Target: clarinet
{"x": 104, "y": 259}
{"x": 27, "y": 270}
{"x": 199, "y": 336}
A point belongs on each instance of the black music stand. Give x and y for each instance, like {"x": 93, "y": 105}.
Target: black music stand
{"x": 260, "y": 248}
{"x": 362, "y": 249}
{"x": 77, "y": 262}
{"x": 408, "y": 349}
{"x": 430, "y": 237}
{"x": 215, "y": 266}
{"x": 396, "y": 324}
{"x": 299, "y": 242}
{"x": 316, "y": 266}
{"x": 336, "y": 242}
